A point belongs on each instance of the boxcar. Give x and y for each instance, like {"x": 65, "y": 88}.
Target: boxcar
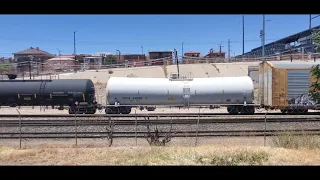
{"x": 285, "y": 85}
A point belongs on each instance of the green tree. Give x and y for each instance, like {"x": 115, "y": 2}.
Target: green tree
{"x": 315, "y": 70}
{"x": 5, "y": 67}
{"x": 110, "y": 59}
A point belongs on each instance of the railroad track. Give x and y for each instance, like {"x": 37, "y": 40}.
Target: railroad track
{"x": 142, "y": 134}
{"x": 99, "y": 122}
{"x": 149, "y": 115}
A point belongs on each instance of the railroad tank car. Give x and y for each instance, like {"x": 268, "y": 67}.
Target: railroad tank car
{"x": 285, "y": 86}
{"x": 234, "y": 92}
{"x": 78, "y": 94}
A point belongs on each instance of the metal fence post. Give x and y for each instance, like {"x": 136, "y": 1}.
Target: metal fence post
{"x": 19, "y": 129}
{"x": 75, "y": 126}
{"x": 136, "y": 123}
{"x": 265, "y": 128}
{"x": 197, "y": 127}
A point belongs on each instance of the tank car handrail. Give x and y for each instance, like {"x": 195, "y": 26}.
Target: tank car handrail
{"x": 181, "y": 105}
{"x": 26, "y": 80}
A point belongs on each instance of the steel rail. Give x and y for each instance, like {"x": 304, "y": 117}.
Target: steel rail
{"x": 142, "y": 134}
{"x": 152, "y": 115}
{"x": 99, "y": 122}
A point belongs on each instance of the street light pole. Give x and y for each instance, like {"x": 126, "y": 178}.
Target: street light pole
{"x": 118, "y": 56}
{"x": 182, "y": 49}
{"x": 60, "y": 59}
{"x": 310, "y": 18}
{"x": 220, "y": 46}
{"x": 74, "y": 42}
{"x": 141, "y": 49}
{"x": 263, "y": 35}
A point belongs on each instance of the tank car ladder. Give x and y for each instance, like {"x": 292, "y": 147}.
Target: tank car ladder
{"x": 186, "y": 94}
{"x": 41, "y": 91}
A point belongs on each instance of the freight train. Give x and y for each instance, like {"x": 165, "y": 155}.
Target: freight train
{"x": 283, "y": 86}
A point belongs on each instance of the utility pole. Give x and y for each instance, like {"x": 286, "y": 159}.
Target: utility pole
{"x": 310, "y": 21}
{"x": 74, "y": 42}
{"x": 220, "y": 47}
{"x": 242, "y": 34}
{"x": 229, "y": 49}
{"x": 60, "y": 59}
{"x": 141, "y": 49}
{"x": 182, "y": 49}
{"x": 177, "y": 61}
{"x": 263, "y": 35}
{"x": 30, "y": 60}
{"x": 118, "y": 56}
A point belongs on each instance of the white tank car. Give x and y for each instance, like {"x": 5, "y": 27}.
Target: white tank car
{"x": 232, "y": 92}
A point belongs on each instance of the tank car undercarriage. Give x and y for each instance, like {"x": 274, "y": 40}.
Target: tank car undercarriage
{"x": 118, "y": 110}
{"x": 244, "y": 110}
{"x": 83, "y": 108}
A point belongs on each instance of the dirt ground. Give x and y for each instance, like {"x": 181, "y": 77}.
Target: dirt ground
{"x": 215, "y": 151}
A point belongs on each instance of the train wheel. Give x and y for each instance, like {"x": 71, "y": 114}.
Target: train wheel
{"x": 248, "y": 110}
{"x": 232, "y": 110}
{"x": 125, "y": 110}
{"x": 292, "y": 111}
{"x": 283, "y": 111}
{"x": 108, "y": 111}
{"x": 245, "y": 110}
{"x": 71, "y": 111}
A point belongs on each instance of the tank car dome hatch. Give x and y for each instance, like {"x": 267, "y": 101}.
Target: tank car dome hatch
{"x": 12, "y": 76}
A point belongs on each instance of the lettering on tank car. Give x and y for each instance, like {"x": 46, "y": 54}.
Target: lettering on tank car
{"x": 133, "y": 98}
{"x": 59, "y": 95}
{"x": 74, "y": 92}
{"x": 57, "y": 92}
{"x": 171, "y": 98}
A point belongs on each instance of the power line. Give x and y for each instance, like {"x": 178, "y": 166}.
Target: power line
{"x": 124, "y": 43}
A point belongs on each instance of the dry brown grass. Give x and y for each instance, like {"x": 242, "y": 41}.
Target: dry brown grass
{"x": 202, "y": 155}
{"x": 289, "y": 140}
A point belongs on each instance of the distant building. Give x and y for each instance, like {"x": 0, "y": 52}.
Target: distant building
{"x": 92, "y": 62}
{"x": 192, "y": 54}
{"x": 104, "y": 54}
{"x": 6, "y": 60}
{"x": 159, "y": 55}
{"x": 297, "y": 43}
{"x": 214, "y": 54}
{"x": 61, "y": 63}
{"x": 134, "y": 60}
{"x": 35, "y": 55}
{"x": 66, "y": 56}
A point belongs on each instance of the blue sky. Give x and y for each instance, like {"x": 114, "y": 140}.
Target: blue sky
{"x": 107, "y": 33}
